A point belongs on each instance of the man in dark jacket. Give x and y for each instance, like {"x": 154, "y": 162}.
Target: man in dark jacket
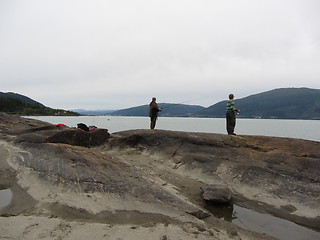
{"x": 231, "y": 115}
{"x": 153, "y": 112}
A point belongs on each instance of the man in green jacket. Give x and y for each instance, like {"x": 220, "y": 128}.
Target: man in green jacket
{"x": 153, "y": 112}
{"x": 231, "y": 115}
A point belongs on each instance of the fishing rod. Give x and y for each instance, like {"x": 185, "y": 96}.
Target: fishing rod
{"x": 168, "y": 105}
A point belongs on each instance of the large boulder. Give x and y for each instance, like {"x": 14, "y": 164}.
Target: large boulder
{"x": 217, "y": 194}
{"x": 78, "y": 137}
{"x": 48, "y": 133}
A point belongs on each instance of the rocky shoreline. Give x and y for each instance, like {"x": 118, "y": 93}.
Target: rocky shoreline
{"x": 144, "y": 184}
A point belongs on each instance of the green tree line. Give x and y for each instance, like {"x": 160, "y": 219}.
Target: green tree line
{"x": 16, "y": 106}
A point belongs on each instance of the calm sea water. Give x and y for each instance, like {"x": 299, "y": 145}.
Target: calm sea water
{"x": 304, "y": 129}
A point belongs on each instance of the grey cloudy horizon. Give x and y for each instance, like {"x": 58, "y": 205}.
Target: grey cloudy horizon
{"x": 101, "y": 54}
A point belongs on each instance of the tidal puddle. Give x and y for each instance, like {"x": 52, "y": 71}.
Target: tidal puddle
{"x": 264, "y": 223}
{"x": 5, "y": 198}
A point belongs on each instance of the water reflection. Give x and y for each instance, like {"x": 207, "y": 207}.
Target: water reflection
{"x": 5, "y": 198}
{"x": 263, "y": 223}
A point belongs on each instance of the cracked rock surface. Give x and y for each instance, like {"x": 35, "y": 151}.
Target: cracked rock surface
{"x": 147, "y": 184}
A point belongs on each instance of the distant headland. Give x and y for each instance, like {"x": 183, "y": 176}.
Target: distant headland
{"x": 282, "y": 103}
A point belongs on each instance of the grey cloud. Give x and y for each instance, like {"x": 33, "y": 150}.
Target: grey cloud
{"x": 119, "y": 53}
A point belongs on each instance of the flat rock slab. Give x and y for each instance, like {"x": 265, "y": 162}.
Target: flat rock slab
{"x": 261, "y": 171}
{"x": 155, "y": 176}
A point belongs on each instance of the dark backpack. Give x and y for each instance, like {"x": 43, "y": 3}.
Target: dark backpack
{"x": 83, "y": 127}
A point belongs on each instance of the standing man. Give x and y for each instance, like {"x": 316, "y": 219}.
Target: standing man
{"x": 153, "y": 112}
{"x": 231, "y": 115}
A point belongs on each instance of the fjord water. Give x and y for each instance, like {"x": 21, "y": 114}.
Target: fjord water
{"x": 5, "y": 197}
{"x": 303, "y": 129}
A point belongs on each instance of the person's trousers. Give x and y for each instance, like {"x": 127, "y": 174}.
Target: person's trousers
{"x": 231, "y": 121}
{"x": 153, "y": 122}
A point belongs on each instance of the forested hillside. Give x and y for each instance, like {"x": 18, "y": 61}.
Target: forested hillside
{"x": 18, "y": 104}
{"x": 168, "y": 110}
{"x": 284, "y": 103}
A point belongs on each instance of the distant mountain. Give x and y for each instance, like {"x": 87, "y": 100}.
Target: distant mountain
{"x": 283, "y": 103}
{"x": 15, "y": 103}
{"x": 93, "y": 112}
{"x": 168, "y": 110}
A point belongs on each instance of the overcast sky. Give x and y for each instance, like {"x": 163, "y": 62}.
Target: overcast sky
{"x": 114, "y": 54}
